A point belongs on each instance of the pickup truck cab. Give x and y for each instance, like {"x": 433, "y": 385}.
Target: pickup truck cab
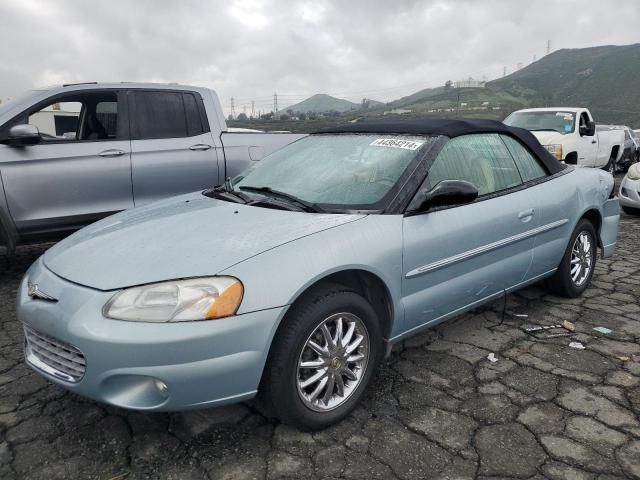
{"x": 72, "y": 154}
{"x": 570, "y": 135}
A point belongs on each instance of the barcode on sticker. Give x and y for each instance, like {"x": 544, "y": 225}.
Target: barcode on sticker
{"x": 395, "y": 143}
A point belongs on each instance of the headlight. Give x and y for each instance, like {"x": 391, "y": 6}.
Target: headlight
{"x": 634, "y": 172}
{"x": 555, "y": 150}
{"x": 177, "y": 301}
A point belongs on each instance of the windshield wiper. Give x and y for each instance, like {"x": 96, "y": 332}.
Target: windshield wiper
{"x": 226, "y": 192}
{"x": 308, "y": 206}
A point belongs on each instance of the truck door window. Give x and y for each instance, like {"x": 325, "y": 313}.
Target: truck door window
{"x": 529, "y": 166}
{"x": 584, "y": 120}
{"x": 165, "y": 115}
{"x": 89, "y": 116}
{"x": 58, "y": 121}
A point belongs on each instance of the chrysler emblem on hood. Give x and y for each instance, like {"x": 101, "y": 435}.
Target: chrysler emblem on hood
{"x": 35, "y": 293}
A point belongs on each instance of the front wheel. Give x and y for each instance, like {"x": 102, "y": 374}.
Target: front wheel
{"x": 610, "y": 166}
{"x": 322, "y": 359}
{"x": 578, "y": 263}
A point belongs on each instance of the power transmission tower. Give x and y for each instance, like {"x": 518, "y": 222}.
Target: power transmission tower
{"x": 244, "y": 110}
{"x": 275, "y": 102}
{"x": 233, "y": 108}
{"x": 253, "y": 109}
{"x": 548, "y": 47}
{"x": 535, "y": 58}
{"x": 504, "y": 72}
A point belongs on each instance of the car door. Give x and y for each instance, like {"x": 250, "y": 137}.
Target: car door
{"x": 460, "y": 256}
{"x": 552, "y": 220}
{"x": 588, "y": 154}
{"x": 172, "y": 148}
{"x": 79, "y": 172}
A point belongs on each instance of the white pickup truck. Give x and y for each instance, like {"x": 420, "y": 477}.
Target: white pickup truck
{"x": 72, "y": 154}
{"x": 570, "y": 135}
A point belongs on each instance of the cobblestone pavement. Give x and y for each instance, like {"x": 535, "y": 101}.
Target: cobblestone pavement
{"x": 438, "y": 409}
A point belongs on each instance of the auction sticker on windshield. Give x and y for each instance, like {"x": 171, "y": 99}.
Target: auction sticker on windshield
{"x": 395, "y": 143}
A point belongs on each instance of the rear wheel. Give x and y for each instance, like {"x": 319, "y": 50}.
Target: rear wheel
{"x": 323, "y": 358}
{"x": 578, "y": 263}
{"x": 610, "y": 166}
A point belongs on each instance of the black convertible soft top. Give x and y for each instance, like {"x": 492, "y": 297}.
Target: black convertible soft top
{"x": 451, "y": 128}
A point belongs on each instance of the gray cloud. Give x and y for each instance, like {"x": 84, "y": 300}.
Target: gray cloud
{"x": 250, "y": 48}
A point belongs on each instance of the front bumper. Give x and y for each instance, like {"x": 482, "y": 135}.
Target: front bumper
{"x": 629, "y": 193}
{"x": 146, "y": 366}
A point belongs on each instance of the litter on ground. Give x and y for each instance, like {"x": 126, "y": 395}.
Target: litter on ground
{"x": 604, "y": 330}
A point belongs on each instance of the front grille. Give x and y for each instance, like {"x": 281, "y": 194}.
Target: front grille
{"x": 54, "y": 357}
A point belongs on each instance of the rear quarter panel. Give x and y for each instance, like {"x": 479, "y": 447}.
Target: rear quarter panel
{"x": 567, "y": 198}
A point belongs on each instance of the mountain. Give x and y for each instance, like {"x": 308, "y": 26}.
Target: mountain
{"x": 604, "y": 79}
{"x": 323, "y": 103}
{"x": 416, "y": 97}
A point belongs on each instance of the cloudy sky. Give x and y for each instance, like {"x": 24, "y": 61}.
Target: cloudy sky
{"x": 249, "y": 49}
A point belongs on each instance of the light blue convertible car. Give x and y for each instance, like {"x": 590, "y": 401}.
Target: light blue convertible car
{"x": 291, "y": 280}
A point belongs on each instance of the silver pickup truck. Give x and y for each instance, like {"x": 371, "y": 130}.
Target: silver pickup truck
{"x": 72, "y": 154}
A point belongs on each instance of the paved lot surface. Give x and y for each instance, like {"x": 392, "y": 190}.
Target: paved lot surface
{"x": 439, "y": 408}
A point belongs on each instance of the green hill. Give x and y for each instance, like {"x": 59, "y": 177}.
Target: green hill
{"x": 416, "y": 97}
{"x": 320, "y": 103}
{"x": 604, "y": 79}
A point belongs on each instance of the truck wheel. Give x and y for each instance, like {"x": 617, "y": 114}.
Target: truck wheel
{"x": 322, "y": 359}
{"x": 578, "y": 263}
{"x": 610, "y": 166}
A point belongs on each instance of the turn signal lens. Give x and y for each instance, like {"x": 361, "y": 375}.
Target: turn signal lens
{"x": 555, "y": 150}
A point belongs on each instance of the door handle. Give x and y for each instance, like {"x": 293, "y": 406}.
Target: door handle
{"x": 593, "y": 141}
{"x": 526, "y": 215}
{"x": 113, "y": 152}
{"x": 200, "y": 146}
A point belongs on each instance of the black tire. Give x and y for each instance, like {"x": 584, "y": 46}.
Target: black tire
{"x": 611, "y": 166}
{"x": 278, "y": 392}
{"x": 561, "y": 283}
{"x": 631, "y": 211}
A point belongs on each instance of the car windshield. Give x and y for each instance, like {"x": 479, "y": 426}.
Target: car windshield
{"x": 343, "y": 170}
{"x": 558, "y": 121}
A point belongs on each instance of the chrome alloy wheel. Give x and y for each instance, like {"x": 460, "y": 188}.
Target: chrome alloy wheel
{"x": 333, "y": 362}
{"x": 581, "y": 259}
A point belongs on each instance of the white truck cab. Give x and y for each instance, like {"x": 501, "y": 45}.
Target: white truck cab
{"x": 570, "y": 135}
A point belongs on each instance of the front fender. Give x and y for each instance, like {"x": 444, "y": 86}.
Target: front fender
{"x": 278, "y": 277}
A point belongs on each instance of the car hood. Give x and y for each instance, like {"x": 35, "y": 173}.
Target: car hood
{"x": 187, "y": 236}
{"x": 549, "y": 138}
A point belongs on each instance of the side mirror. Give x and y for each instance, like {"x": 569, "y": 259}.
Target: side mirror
{"x": 449, "y": 193}
{"x": 589, "y": 130}
{"x": 23, "y": 135}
